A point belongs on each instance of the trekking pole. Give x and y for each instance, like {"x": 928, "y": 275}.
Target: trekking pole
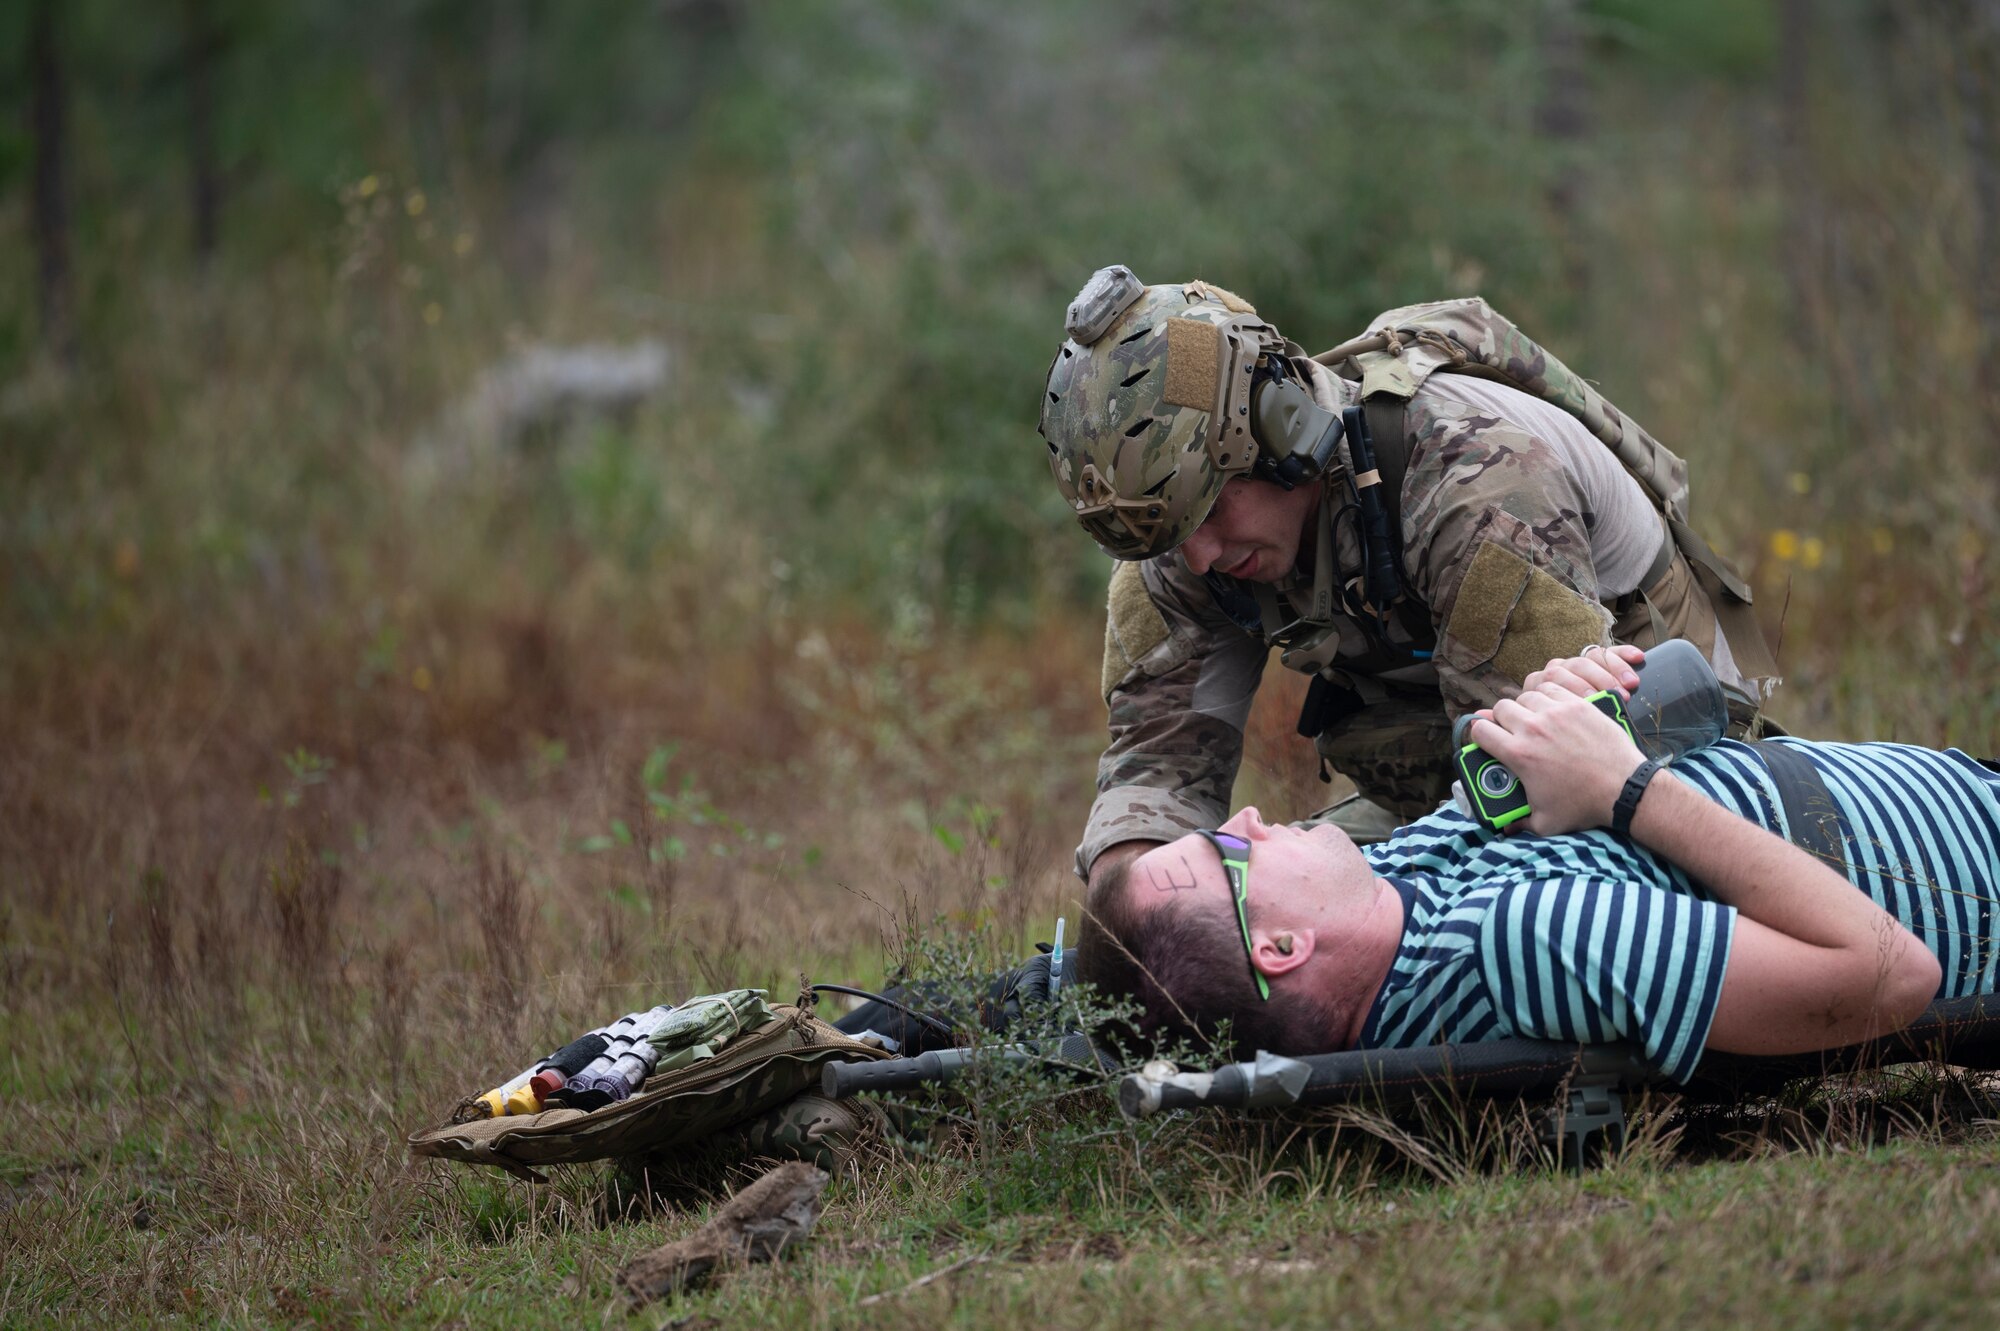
{"x": 840, "y": 1080}
{"x": 1272, "y": 1080}
{"x": 1383, "y": 1078}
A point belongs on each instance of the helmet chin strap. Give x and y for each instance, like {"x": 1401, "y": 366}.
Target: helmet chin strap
{"x": 1316, "y": 607}
{"x": 1318, "y": 603}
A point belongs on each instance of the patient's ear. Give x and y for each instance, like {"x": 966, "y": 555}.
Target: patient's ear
{"x": 1275, "y": 951}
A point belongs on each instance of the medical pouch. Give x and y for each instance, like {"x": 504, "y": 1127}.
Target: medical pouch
{"x": 751, "y": 1074}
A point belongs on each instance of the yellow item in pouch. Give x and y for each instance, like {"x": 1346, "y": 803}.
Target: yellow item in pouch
{"x": 516, "y": 1097}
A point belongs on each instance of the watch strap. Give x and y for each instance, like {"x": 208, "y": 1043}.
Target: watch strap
{"x": 1628, "y": 799}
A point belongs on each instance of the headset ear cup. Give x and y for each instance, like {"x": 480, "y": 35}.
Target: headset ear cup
{"x": 1296, "y": 437}
{"x": 1269, "y": 371}
{"x": 1270, "y": 453}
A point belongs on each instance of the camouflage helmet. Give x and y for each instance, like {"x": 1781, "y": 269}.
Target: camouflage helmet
{"x": 1133, "y": 400}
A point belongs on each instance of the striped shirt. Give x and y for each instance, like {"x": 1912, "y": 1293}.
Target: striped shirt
{"x": 1589, "y": 937}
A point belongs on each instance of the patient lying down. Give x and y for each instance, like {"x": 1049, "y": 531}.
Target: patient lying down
{"x": 1700, "y": 927}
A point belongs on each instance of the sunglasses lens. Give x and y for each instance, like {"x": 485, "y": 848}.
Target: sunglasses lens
{"x": 1235, "y": 853}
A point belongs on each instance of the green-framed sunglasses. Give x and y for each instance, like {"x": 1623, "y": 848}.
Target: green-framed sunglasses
{"x": 1235, "y": 853}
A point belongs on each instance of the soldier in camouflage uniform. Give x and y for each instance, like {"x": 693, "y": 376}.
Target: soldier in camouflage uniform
{"x": 1521, "y": 538}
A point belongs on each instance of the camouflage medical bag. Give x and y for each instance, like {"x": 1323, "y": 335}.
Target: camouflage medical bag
{"x": 750, "y": 1080}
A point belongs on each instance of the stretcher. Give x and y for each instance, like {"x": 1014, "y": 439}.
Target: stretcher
{"x": 1591, "y": 1081}
{"x": 1588, "y": 1083}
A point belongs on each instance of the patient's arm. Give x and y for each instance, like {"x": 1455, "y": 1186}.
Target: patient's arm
{"x": 1814, "y": 962}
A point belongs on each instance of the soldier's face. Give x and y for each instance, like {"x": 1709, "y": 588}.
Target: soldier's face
{"x": 1254, "y": 532}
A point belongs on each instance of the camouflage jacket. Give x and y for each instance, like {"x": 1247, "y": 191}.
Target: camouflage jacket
{"x": 1497, "y": 557}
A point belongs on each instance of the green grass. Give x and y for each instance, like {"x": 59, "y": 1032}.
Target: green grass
{"x": 190, "y": 1145}
{"x": 286, "y": 1199}
{"x": 328, "y": 775}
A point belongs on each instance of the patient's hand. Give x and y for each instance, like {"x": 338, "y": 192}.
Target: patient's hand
{"x": 1572, "y": 758}
{"x": 1593, "y": 669}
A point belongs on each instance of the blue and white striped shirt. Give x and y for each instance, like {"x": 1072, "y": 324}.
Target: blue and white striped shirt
{"x": 1588, "y": 937}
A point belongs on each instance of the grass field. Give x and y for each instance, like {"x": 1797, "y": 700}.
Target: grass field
{"x": 327, "y": 798}
{"x": 262, "y": 923}
{"x": 354, "y": 752}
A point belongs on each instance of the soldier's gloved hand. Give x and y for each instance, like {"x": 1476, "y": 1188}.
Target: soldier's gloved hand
{"x": 1002, "y": 1005}
{"x": 1026, "y": 984}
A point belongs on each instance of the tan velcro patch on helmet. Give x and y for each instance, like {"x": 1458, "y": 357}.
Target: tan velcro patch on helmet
{"x": 1519, "y": 616}
{"x": 1222, "y": 296}
{"x": 1194, "y": 361}
{"x": 1133, "y": 626}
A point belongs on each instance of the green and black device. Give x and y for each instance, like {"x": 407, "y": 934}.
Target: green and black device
{"x": 1493, "y": 794}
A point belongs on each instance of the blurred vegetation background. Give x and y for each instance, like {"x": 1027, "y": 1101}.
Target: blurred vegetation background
{"x": 358, "y": 680}
{"x": 279, "y": 484}
{"x": 289, "y": 510}
{"x": 255, "y": 253}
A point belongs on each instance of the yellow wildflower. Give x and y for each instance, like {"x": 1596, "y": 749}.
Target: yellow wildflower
{"x": 1785, "y": 544}
{"x": 420, "y": 679}
{"x": 1812, "y": 552}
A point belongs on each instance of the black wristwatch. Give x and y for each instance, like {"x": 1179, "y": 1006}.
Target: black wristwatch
{"x": 1628, "y": 798}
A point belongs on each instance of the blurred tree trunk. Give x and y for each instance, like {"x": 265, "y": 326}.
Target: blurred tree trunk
{"x": 205, "y": 181}
{"x": 1562, "y": 119}
{"x": 1978, "y": 77}
{"x": 46, "y": 98}
{"x": 1802, "y": 222}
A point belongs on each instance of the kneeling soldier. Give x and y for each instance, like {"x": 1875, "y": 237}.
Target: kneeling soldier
{"x": 1417, "y": 523}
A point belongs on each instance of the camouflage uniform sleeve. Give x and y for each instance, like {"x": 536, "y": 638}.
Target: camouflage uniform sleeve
{"x": 1179, "y": 677}
{"x": 1495, "y": 543}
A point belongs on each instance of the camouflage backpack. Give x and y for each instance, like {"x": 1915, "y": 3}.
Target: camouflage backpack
{"x": 760, "y": 1084}
{"x": 1404, "y": 347}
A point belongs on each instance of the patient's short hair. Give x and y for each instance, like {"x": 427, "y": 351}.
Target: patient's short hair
{"x": 1182, "y": 959}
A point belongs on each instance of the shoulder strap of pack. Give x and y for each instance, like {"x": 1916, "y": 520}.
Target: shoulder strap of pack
{"x": 1813, "y": 819}
{"x": 1406, "y": 346}
{"x": 1384, "y": 414}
